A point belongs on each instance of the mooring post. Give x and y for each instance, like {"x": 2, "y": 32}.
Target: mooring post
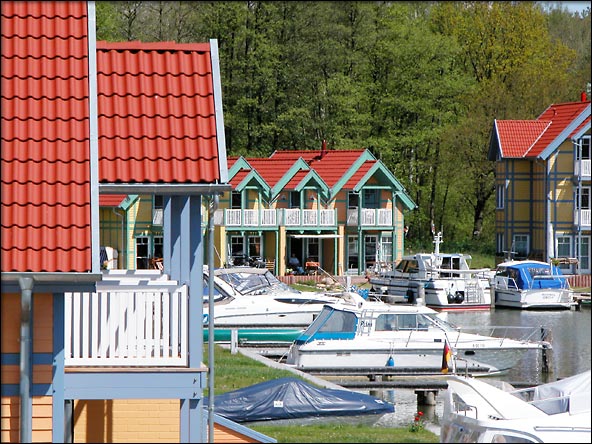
{"x": 426, "y": 397}
{"x": 547, "y": 352}
{"x": 234, "y": 341}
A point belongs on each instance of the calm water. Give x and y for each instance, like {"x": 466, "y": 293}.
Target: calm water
{"x": 570, "y": 338}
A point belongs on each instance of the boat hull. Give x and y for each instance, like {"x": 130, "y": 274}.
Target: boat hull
{"x": 476, "y": 357}
{"x": 538, "y": 299}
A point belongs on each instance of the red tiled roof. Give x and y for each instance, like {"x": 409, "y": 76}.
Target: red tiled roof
{"x": 359, "y": 174}
{"x": 296, "y": 180}
{"x": 157, "y": 121}
{"x": 271, "y": 170}
{"x": 520, "y": 138}
{"x": 111, "y": 200}
{"x": 238, "y": 178}
{"x": 45, "y": 155}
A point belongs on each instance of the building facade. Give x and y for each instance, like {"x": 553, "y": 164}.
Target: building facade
{"x": 542, "y": 171}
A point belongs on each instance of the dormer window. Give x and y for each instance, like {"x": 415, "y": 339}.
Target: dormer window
{"x": 236, "y": 200}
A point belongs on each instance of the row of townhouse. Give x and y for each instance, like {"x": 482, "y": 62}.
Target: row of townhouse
{"x": 341, "y": 210}
{"x": 543, "y": 186}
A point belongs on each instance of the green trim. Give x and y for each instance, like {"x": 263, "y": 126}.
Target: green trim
{"x": 364, "y": 156}
{"x": 300, "y": 164}
{"x": 129, "y": 200}
{"x": 260, "y": 184}
{"x": 240, "y": 164}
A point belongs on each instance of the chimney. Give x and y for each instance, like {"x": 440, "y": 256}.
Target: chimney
{"x": 323, "y": 148}
{"x": 583, "y": 96}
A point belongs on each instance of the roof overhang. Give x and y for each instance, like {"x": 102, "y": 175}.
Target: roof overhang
{"x": 315, "y": 236}
{"x": 164, "y": 188}
{"x": 51, "y": 282}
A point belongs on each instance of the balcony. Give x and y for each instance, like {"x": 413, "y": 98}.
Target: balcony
{"x": 295, "y": 217}
{"x": 263, "y": 218}
{"x": 582, "y": 169}
{"x": 138, "y": 321}
{"x": 370, "y": 217}
{"x": 582, "y": 219}
{"x": 250, "y": 218}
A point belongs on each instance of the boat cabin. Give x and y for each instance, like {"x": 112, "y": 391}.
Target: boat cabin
{"x": 528, "y": 275}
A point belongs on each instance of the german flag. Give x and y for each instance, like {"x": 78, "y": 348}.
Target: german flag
{"x": 446, "y": 357}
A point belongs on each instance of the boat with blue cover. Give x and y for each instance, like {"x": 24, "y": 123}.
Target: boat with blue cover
{"x": 531, "y": 284}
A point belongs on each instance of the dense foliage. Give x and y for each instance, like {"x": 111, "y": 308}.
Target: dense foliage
{"x": 417, "y": 83}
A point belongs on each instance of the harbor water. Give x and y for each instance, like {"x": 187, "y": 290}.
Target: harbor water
{"x": 569, "y": 334}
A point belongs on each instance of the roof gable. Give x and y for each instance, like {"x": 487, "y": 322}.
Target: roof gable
{"x": 158, "y": 114}
{"x": 45, "y": 156}
{"x": 539, "y": 138}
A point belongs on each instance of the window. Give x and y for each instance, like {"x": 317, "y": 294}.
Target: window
{"x": 157, "y": 210}
{"x": 237, "y": 246}
{"x": 500, "y": 193}
{"x": 312, "y": 249}
{"x": 386, "y": 248}
{"x": 584, "y": 254}
{"x": 236, "y": 200}
{"x": 499, "y": 243}
{"x": 585, "y": 153}
{"x": 370, "y": 245}
{"x": 352, "y": 252}
{"x": 157, "y": 249}
{"x": 520, "y": 245}
{"x": 255, "y": 246}
{"x": 142, "y": 253}
{"x": 585, "y": 196}
{"x": 371, "y": 199}
{"x": 353, "y": 200}
{"x": 294, "y": 199}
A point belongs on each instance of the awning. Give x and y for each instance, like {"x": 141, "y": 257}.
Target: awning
{"x": 315, "y": 236}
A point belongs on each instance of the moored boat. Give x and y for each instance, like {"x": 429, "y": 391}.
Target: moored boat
{"x": 406, "y": 338}
{"x": 530, "y": 284}
{"x": 253, "y": 297}
{"x": 476, "y": 411}
{"x": 444, "y": 280}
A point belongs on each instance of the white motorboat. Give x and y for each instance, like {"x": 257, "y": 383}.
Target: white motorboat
{"x": 444, "y": 280}
{"x": 254, "y": 297}
{"x": 406, "y": 338}
{"x": 530, "y": 284}
{"x": 476, "y": 411}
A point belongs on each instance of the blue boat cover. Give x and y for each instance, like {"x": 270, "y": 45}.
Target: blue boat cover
{"x": 289, "y": 398}
{"x": 534, "y": 275}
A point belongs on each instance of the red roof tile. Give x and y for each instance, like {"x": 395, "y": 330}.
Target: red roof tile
{"x": 45, "y": 163}
{"x": 111, "y": 200}
{"x": 359, "y": 174}
{"x": 529, "y": 138}
{"x": 157, "y": 120}
{"x": 271, "y": 170}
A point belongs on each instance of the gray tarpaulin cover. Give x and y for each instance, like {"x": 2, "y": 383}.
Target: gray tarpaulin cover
{"x": 288, "y": 398}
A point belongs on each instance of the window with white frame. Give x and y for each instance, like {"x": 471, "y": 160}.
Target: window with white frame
{"x": 500, "y": 195}
{"x": 237, "y": 246}
{"x": 142, "y": 252}
{"x": 157, "y": 210}
{"x": 157, "y": 249}
{"x": 564, "y": 249}
{"x": 584, "y": 203}
{"x": 584, "y": 154}
{"x": 521, "y": 245}
{"x": 255, "y": 246}
{"x": 370, "y": 249}
{"x": 499, "y": 243}
{"x": 386, "y": 248}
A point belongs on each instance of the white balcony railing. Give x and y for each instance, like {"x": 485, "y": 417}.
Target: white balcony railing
{"x": 582, "y": 218}
{"x": 370, "y": 217}
{"x": 127, "y": 325}
{"x": 582, "y": 168}
{"x": 294, "y": 217}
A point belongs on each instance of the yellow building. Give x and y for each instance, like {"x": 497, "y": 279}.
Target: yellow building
{"x": 543, "y": 186}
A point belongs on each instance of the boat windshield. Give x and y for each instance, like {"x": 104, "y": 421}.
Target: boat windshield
{"x": 407, "y": 266}
{"x": 331, "y": 324}
{"x": 249, "y": 283}
{"x": 435, "y": 319}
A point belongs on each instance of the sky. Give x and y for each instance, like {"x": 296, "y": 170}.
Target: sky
{"x": 573, "y": 6}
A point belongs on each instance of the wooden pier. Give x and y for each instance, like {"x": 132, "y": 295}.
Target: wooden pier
{"x": 581, "y": 299}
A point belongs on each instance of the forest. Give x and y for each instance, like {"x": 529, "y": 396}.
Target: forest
{"x": 419, "y": 84}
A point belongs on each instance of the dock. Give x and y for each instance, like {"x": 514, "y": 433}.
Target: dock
{"x": 581, "y": 299}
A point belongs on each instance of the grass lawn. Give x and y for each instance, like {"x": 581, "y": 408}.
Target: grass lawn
{"x": 232, "y": 372}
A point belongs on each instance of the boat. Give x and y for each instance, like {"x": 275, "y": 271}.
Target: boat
{"x": 380, "y": 338}
{"x": 253, "y": 297}
{"x": 531, "y": 284}
{"x": 444, "y": 280}
{"x": 477, "y": 411}
{"x": 292, "y": 398}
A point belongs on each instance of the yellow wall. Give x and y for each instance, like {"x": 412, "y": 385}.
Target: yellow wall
{"x": 42, "y": 374}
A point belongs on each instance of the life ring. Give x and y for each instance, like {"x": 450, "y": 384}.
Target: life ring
{"x": 459, "y": 297}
